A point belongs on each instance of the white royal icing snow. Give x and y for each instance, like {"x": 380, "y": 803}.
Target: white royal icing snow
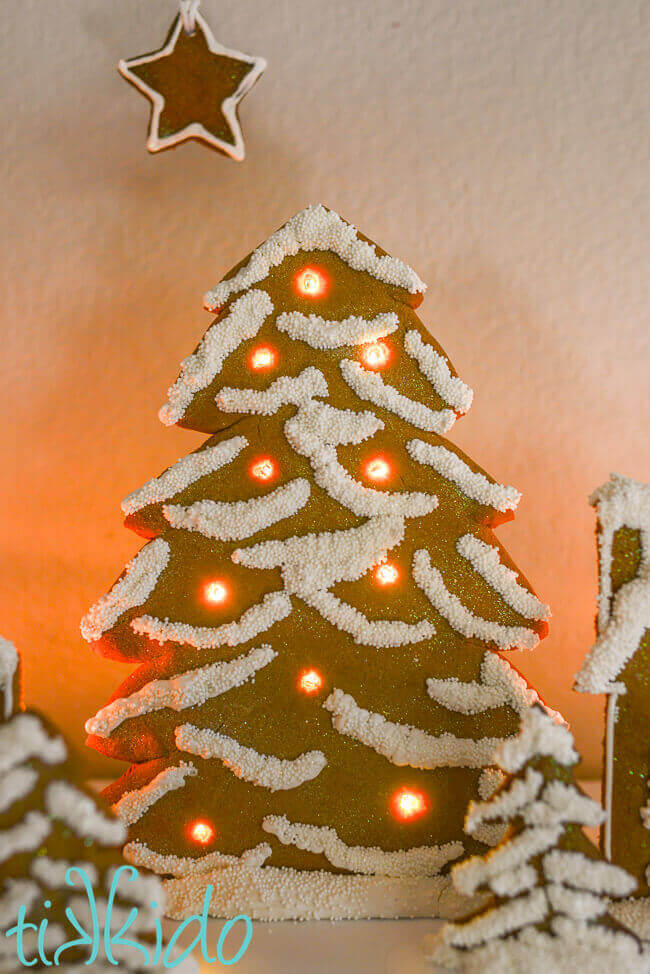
{"x": 188, "y": 689}
{"x": 8, "y": 667}
{"x": 500, "y": 685}
{"x": 459, "y": 616}
{"x": 370, "y": 386}
{"x": 315, "y": 228}
{"x": 450, "y": 388}
{"x": 273, "y": 607}
{"x": 139, "y": 854}
{"x": 264, "y": 770}
{"x": 381, "y": 633}
{"x": 403, "y": 744}
{"x": 24, "y": 837}
{"x": 16, "y": 784}
{"x": 288, "y": 390}
{"x": 323, "y": 333}
{"x": 367, "y": 860}
{"x": 184, "y": 472}
{"x": 52, "y": 872}
{"x": 80, "y": 813}
{"x": 133, "y": 804}
{"x": 235, "y": 520}
{"x": 243, "y": 321}
{"x": 139, "y": 580}
{"x": 472, "y": 484}
{"x": 485, "y": 560}
{"x": 539, "y": 736}
{"x": 25, "y": 737}
{"x": 622, "y": 619}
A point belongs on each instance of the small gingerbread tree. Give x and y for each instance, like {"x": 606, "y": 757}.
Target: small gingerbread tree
{"x": 57, "y": 842}
{"x": 549, "y": 888}
{"x": 318, "y": 610}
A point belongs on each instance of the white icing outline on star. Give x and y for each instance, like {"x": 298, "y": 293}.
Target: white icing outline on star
{"x": 195, "y": 130}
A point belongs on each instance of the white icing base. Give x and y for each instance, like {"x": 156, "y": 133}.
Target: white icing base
{"x": 633, "y": 914}
{"x": 269, "y": 893}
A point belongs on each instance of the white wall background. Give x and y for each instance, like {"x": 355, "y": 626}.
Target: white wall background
{"x": 499, "y": 146}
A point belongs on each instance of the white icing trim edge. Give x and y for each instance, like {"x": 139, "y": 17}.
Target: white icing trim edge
{"x": 322, "y": 333}
{"x": 436, "y": 369}
{"x": 474, "y": 485}
{"x": 371, "y": 387}
{"x": 133, "y": 804}
{"x": 315, "y": 228}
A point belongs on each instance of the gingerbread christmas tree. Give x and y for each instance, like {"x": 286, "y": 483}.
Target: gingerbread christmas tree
{"x": 319, "y": 607}
{"x": 549, "y": 887}
{"x": 60, "y": 854}
{"x": 618, "y": 665}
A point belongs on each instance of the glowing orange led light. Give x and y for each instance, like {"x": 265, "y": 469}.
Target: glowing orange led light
{"x": 375, "y": 356}
{"x": 310, "y": 282}
{"x": 377, "y": 469}
{"x": 202, "y": 832}
{"x": 215, "y": 593}
{"x": 408, "y": 804}
{"x": 262, "y": 357}
{"x": 263, "y": 469}
{"x": 386, "y": 574}
{"x": 310, "y": 681}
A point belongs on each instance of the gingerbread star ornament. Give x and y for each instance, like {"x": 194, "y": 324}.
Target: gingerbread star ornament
{"x": 195, "y": 86}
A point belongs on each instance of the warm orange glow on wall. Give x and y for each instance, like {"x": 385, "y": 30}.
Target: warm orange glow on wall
{"x": 202, "y": 832}
{"x": 216, "y": 592}
{"x": 263, "y": 357}
{"x": 310, "y": 681}
{"x": 264, "y": 469}
{"x": 378, "y": 469}
{"x": 408, "y": 804}
{"x": 310, "y": 282}
{"x": 386, "y": 574}
{"x": 375, "y": 356}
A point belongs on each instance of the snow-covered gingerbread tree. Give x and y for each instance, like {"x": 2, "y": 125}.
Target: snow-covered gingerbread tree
{"x": 549, "y": 887}
{"x": 57, "y": 842}
{"x": 319, "y": 606}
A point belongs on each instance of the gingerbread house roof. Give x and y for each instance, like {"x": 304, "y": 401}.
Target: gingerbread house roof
{"x": 623, "y": 617}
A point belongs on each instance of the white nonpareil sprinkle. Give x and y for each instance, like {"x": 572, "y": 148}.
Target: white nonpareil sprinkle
{"x": 135, "y": 889}
{"x": 264, "y": 770}
{"x": 139, "y": 854}
{"x": 477, "y": 871}
{"x": 539, "y": 736}
{"x": 133, "y": 804}
{"x": 315, "y": 432}
{"x": 235, "y": 520}
{"x": 321, "y": 333}
{"x": 24, "y": 837}
{"x": 485, "y": 560}
{"x": 25, "y": 737}
{"x": 52, "y": 872}
{"x": 489, "y": 782}
{"x": 17, "y": 893}
{"x": 512, "y": 915}
{"x": 244, "y": 320}
{"x": 16, "y": 784}
{"x": 315, "y": 562}
{"x": 136, "y": 585}
{"x": 315, "y": 228}
{"x": 461, "y": 618}
{"x": 472, "y": 484}
{"x": 576, "y": 904}
{"x": 560, "y": 803}
{"x": 184, "y": 472}
{"x": 188, "y": 689}
{"x": 508, "y": 803}
{"x": 274, "y": 607}
{"x": 80, "y": 813}
{"x": 8, "y": 667}
{"x": 270, "y": 893}
{"x": 403, "y": 744}
{"x": 367, "y": 860}
{"x": 514, "y": 882}
{"x": 436, "y": 369}
{"x": 285, "y": 391}
{"x": 596, "y": 875}
{"x": 381, "y": 633}
{"x": 500, "y": 685}
{"x": 370, "y": 386}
